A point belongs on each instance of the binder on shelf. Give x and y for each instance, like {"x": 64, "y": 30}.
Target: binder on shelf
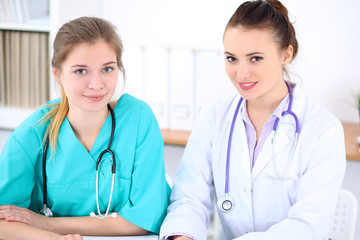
{"x": 156, "y": 82}
{"x": 226, "y": 88}
{"x": 23, "y": 11}
{"x": 181, "y": 82}
{"x": 212, "y": 83}
{"x": 44, "y": 69}
{"x": 24, "y": 73}
{"x": 24, "y": 68}
{"x": 207, "y": 78}
{"x": 7, "y": 67}
{"x": 133, "y": 60}
{"x": 34, "y": 93}
{"x": 15, "y": 53}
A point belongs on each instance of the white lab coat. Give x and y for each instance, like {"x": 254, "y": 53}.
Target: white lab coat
{"x": 299, "y": 207}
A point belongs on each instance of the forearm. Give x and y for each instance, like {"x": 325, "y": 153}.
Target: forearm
{"x": 18, "y": 230}
{"x": 94, "y": 227}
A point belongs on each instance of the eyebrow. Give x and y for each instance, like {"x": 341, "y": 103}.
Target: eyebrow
{"x": 254, "y": 53}
{"x": 249, "y": 54}
{"x": 228, "y": 53}
{"x": 83, "y": 65}
{"x": 78, "y": 66}
{"x": 109, "y": 63}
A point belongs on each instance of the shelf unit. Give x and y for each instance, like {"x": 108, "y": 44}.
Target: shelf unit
{"x": 33, "y": 27}
{"x": 44, "y": 16}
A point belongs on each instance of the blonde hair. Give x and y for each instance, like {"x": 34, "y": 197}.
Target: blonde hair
{"x": 81, "y": 30}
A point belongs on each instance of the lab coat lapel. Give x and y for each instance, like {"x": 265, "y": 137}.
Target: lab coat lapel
{"x": 267, "y": 151}
{"x": 239, "y": 158}
{"x": 240, "y": 151}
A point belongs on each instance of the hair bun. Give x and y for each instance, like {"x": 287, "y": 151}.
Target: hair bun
{"x": 279, "y": 6}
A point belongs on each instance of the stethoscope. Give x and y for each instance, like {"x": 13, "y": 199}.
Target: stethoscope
{"x": 226, "y": 203}
{"x": 46, "y": 211}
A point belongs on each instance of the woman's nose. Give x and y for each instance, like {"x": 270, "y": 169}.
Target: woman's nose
{"x": 95, "y": 82}
{"x": 243, "y": 71}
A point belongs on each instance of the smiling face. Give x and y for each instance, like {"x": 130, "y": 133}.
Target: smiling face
{"x": 254, "y": 63}
{"x": 89, "y": 76}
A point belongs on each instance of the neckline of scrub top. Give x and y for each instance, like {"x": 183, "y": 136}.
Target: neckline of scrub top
{"x": 102, "y": 139}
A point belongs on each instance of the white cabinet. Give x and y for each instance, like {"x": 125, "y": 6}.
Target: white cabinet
{"x": 24, "y": 15}
{"x": 29, "y": 19}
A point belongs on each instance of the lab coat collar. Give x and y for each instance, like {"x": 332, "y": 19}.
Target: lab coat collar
{"x": 282, "y": 139}
{"x": 235, "y": 101}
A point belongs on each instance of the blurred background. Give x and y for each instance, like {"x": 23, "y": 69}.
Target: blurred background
{"x": 173, "y": 56}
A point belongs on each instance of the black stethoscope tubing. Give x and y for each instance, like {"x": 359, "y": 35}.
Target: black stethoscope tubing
{"x": 46, "y": 211}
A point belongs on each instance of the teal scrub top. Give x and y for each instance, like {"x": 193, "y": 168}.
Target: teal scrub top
{"x": 141, "y": 193}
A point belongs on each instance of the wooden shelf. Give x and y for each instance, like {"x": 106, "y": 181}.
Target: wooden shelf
{"x": 352, "y": 132}
{"x": 175, "y": 137}
{"x": 34, "y": 27}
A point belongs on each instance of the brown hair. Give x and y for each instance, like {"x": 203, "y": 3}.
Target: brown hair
{"x": 81, "y": 30}
{"x": 269, "y": 14}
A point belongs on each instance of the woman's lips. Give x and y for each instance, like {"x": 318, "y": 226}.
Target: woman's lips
{"x": 95, "y": 98}
{"x": 247, "y": 85}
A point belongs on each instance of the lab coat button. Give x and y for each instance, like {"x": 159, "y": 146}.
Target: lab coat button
{"x": 244, "y": 189}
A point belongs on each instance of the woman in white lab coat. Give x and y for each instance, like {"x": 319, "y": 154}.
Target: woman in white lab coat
{"x": 274, "y": 160}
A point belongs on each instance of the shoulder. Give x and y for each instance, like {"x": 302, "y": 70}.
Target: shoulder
{"x": 29, "y": 134}
{"x": 135, "y": 114}
{"x": 219, "y": 110}
{"x": 130, "y": 104}
{"x": 213, "y": 118}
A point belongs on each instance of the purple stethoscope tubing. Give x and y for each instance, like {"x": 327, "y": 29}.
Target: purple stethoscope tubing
{"x": 229, "y": 147}
{"x": 288, "y": 111}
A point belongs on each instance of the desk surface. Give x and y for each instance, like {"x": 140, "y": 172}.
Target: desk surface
{"x": 175, "y": 137}
{"x": 351, "y": 130}
{"x": 147, "y": 237}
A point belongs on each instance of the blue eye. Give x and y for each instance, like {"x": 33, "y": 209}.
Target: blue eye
{"x": 108, "y": 69}
{"x": 230, "y": 59}
{"x": 256, "y": 59}
{"x": 80, "y": 71}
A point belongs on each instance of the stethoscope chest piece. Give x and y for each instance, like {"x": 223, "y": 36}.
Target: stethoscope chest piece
{"x": 46, "y": 211}
{"x": 225, "y": 203}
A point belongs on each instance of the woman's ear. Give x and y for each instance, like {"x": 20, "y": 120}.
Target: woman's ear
{"x": 287, "y": 55}
{"x": 56, "y": 75}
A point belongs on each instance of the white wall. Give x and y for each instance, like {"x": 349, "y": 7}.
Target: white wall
{"x": 327, "y": 64}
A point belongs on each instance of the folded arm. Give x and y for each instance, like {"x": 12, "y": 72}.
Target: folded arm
{"x": 23, "y": 222}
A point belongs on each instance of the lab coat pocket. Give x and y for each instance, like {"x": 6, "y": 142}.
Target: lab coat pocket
{"x": 282, "y": 166}
{"x": 280, "y": 196}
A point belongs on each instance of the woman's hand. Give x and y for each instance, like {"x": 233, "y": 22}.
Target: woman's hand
{"x": 17, "y": 214}
{"x": 71, "y": 237}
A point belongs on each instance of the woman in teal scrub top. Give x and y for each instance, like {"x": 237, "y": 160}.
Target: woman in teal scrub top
{"x": 86, "y": 64}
